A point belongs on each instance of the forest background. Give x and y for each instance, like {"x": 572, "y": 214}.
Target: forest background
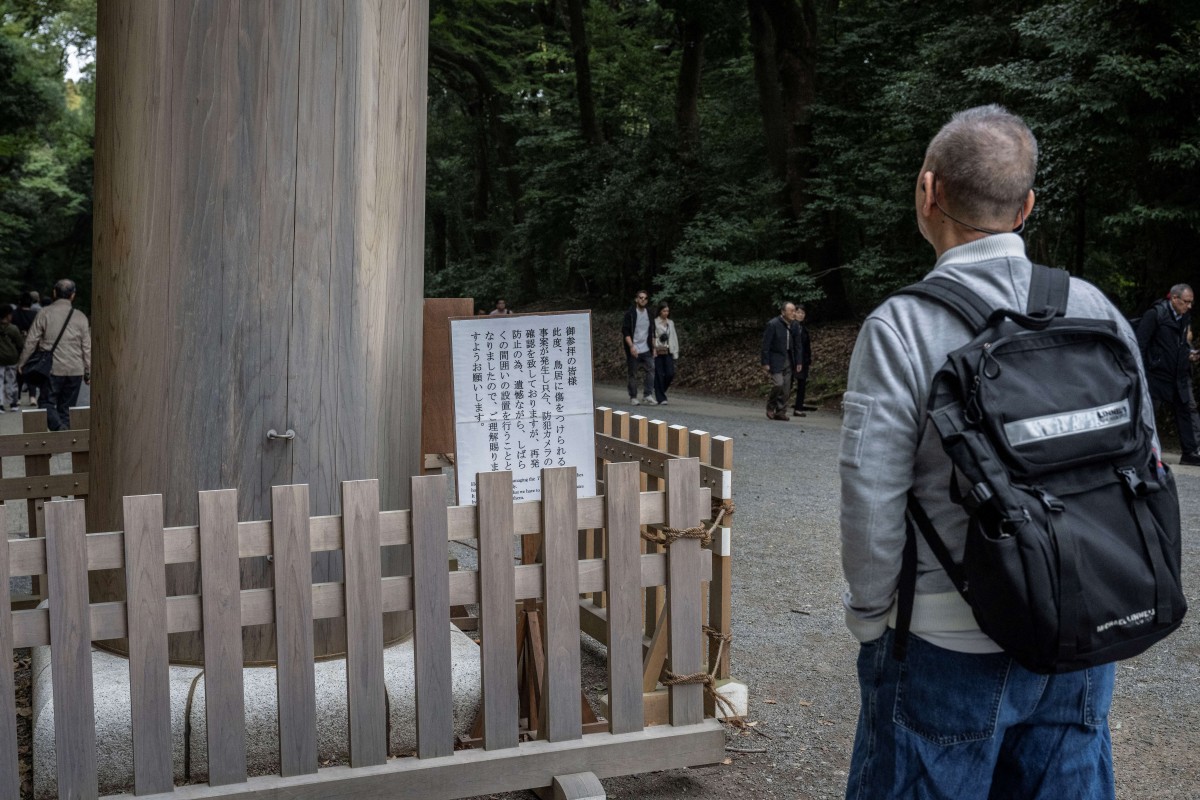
{"x": 725, "y": 154}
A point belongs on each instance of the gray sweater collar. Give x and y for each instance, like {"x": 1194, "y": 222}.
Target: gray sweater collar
{"x": 1000, "y": 245}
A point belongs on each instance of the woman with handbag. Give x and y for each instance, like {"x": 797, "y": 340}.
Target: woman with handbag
{"x": 666, "y": 351}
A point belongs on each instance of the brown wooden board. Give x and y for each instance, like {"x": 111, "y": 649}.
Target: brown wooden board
{"x": 150, "y": 690}
{"x": 683, "y": 592}
{"x": 364, "y": 624}
{"x": 48, "y": 443}
{"x": 294, "y": 631}
{"x": 431, "y": 608}
{"x": 437, "y": 397}
{"x": 497, "y": 613}
{"x": 720, "y": 597}
{"x": 561, "y": 684}
{"x": 71, "y": 665}
{"x": 224, "y": 703}
{"x": 624, "y": 593}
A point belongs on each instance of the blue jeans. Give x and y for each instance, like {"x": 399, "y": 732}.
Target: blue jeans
{"x": 958, "y": 726}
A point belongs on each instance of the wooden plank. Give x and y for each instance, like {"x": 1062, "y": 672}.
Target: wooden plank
{"x": 10, "y": 783}
{"x": 71, "y": 667}
{"x": 561, "y": 687}
{"x": 43, "y": 487}
{"x": 437, "y": 401}
{"x": 149, "y": 681}
{"x": 46, "y": 443}
{"x": 720, "y": 593}
{"x": 294, "y": 631}
{"x": 34, "y": 421}
{"x": 497, "y": 618}
{"x": 364, "y": 624}
{"x": 653, "y": 458}
{"x": 224, "y": 703}
{"x": 32, "y": 628}
{"x": 431, "y": 601}
{"x": 656, "y": 653}
{"x": 624, "y": 607}
{"x": 683, "y": 592}
{"x": 479, "y": 772}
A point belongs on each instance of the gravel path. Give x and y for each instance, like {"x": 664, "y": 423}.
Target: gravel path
{"x": 792, "y": 649}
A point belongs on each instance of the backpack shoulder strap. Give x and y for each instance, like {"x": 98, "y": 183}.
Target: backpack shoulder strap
{"x": 1048, "y": 288}
{"x": 954, "y": 296}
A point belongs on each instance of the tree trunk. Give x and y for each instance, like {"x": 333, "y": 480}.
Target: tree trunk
{"x": 794, "y": 23}
{"x": 687, "y": 114}
{"x": 589, "y": 126}
{"x": 770, "y": 95}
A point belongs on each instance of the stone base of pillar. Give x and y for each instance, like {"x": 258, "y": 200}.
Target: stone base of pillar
{"x": 114, "y": 737}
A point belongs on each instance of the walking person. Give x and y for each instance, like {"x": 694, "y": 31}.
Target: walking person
{"x": 11, "y": 345}
{"x": 637, "y": 330}
{"x": 1164, "y": 336}
{"x": 779, "y": 358}
{"x": 63, "y": 330}
{"x": 26, "y": 312}
{"x": 959, "y": 717}
{"x": 666, "y": 352}
{"x": 800, "y": 332}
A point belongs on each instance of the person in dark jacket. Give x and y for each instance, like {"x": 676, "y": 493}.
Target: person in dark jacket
{"x": 1164, "y": 335}
{"x": 804, "y": 344}
{"x": 26, "y": 312}
{"x": 780, "y": 357}
{"x": 637, "y": 333}
{"x": 11, "y": 345}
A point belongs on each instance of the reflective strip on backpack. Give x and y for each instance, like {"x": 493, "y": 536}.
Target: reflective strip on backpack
{"x": 1054, "y": 426}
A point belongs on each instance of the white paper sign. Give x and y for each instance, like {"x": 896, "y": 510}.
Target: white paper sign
{"x": 523, "y": 399}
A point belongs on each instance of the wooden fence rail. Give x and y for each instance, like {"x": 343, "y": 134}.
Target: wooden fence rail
{"x": 70, "y": 624}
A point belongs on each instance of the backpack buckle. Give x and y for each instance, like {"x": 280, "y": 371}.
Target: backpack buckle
{"x": 1134, "y": 483}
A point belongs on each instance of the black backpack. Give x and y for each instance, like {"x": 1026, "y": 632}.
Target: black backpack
{"x": 1072, "y": 554}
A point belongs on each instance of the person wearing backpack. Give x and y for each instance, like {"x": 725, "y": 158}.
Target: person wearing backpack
{"x": 1164, "y": 336}
{"x": 958, "y": 717}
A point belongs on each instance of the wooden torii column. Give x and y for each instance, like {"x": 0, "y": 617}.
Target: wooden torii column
{"x": 258, "y": 272}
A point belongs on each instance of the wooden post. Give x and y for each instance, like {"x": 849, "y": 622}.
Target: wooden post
{"x": 720, "y": 598}
{"x": 258, "y": 264}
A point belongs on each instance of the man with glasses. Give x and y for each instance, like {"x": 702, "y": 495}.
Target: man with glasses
{"x": 638, "y": 332}
{"x": 1165, "y": 339}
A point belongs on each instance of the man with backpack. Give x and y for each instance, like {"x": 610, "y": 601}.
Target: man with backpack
{"x": 946, "y": 711}
{"x": 1165, "y": 338}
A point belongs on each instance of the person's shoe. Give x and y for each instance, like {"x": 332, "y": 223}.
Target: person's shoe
{"x": 635, "y": 401}
{"x": 781, "y": 417}
{"x": 662, "y": 402}
{"x": 799, "y": 414}
{"x": 649, "y": 401}
{"x": 1190, "y": 459}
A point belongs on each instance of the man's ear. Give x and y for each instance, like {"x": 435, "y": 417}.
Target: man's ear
{"x": 1027, "y": 209}
{"x": 928, "y": 187}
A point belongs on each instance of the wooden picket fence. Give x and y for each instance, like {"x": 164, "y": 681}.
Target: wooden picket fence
{"x": 652, "y": 444}
{"x": 35, "y": 485}
{"x": 69, "y": 625}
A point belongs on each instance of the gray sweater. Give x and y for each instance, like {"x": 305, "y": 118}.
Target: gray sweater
{"x": 885, "y": 448}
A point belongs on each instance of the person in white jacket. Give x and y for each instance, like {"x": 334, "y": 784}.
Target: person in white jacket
{"x": 666, "y": 352}
{"x": 958, "y": 718}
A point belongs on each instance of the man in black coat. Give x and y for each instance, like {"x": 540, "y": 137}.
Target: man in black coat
{"x": 780, "y": 357}
{"x": 804, "y": 358}
{"x": 1165, "y": 336}
{"x": 637, "y": 334}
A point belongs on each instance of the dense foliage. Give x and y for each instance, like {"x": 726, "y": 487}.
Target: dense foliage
{"x": 725, "y": 154}
{"x": 731, "y": 154}
{"x": 46, "y": 136}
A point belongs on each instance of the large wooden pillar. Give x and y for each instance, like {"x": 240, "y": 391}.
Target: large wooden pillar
{"x": 259, "y": 226}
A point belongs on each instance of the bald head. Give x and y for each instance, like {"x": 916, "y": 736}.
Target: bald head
{"x": 984, "y": 160}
